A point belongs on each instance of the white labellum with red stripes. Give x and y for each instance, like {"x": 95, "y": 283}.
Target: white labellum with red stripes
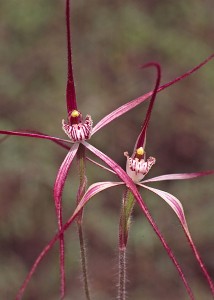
{"x": 78, "y": 132}
{"x": 137, "y": 168}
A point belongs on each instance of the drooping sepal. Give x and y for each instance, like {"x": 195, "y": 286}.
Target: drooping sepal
{"x": 78, "y": 132}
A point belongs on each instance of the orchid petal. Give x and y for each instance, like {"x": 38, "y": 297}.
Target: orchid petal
{"x": 178, "y": 209}
{"x": 130, "y": 184}
{"x": 179, "y": 176}
{"x": 35, "y": 135}
{"x": 172, "y": 201}
{"x": 70, "y": 89}
{"x": 58, "y": 189}
{"x": 141, "y": 140}
{"x": 99, "y": 165}
{"x": 130, "y": 105}
{"x": 92, "y": 191}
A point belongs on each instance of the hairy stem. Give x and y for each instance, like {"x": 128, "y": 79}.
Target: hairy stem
{"x": 124, "y": 226}
{"x": 82, "y": 188}
{"x": 122, "y": 274}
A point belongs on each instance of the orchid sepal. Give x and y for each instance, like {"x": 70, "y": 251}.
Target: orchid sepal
{"x": 179, "y": 176}
{"x": 58, "y": 189}
{"x": 177, "y": 207}
{"x": 132, "y": 104}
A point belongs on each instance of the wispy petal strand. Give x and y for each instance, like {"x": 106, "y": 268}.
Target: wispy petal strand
{"x": 34, "y": 135}
{"x": 128, "y": 106}
{"x": 178, "y": 209}
{"x": 58, "y": 189}
{"x": 180, "y": 176}
{"x": 172, "y": 201}
{"x": 92, "y": 191}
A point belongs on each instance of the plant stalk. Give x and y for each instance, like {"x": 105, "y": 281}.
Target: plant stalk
{"x": 82, "y": 188}
{"x": 124, "y": 226}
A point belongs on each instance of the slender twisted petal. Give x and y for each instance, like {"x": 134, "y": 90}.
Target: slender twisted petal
{"x": 130, "y": 184}
{"x": 100, "y": 165}
{"x": 179, "y": 176}
{"x": 92, "y": 191}
{"x": 35, "y": 135}
{"x": 58, "y": 189}
{"x": 141, "y": 140}
{"x": 178, "y": 209}
{"x": 128, "y": 106}
{"x": 172, "y": 201}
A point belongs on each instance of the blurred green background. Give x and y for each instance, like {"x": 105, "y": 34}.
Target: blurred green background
{"x": 111, "y": 38}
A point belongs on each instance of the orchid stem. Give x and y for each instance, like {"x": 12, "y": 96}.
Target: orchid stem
{"x": 124, "y": 226}
{"x": 82, "y": 188}
{"x": 122, "y": 274}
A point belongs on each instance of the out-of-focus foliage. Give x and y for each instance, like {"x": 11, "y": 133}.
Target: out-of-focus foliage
{"x": 111, "y": 38}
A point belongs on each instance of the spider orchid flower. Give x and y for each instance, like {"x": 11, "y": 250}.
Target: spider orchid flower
{"x": 79, "y": 130}
{"x": 137, "y": 167}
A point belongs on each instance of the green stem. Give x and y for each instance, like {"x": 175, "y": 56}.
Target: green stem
{"x": 82, "y": 188}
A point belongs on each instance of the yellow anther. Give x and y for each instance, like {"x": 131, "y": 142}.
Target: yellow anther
{"x": 140, "y": 151}
{"x": 75, "y": 114}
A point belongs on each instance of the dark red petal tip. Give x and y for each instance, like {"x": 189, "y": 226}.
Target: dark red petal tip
{"x": 70, "y": 89}
{"x": 142, "y": 136}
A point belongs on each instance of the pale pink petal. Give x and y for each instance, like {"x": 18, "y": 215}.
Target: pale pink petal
{"x": 128, "y": 106}
{"x": 58, "y": 189}
{"x": 130, "y": 184}
{"x": 178, "y": 209}
{"x": 178, "y": 176}
{"x": 92, "y": 190}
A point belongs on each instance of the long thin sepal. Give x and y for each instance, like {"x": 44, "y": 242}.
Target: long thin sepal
{"x": 99, "y": 165}
{"x": 34, "y": 135}
{"x": 178, "y": 209}
{"x": 70, "y": 90}
{"x": 130, "y": 184}
{"x": 92, "y": 191}
{"x": 130, "y": 105}
{"x": 58, "y": 189}
{"x": 181, "y": 176}
{"x": 142, "y": 136}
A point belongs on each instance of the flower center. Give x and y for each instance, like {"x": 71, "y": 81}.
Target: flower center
{"x": 137, "y": 167}
{"x": 76, "y": 129}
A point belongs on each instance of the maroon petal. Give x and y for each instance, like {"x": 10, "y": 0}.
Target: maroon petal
{"x": 130, "y": 184}
{"x": 58, "y": 189}
{"x": 128, "y": 106}
{"x": 141, "y": 140}
{"x": 70, "y": 90}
